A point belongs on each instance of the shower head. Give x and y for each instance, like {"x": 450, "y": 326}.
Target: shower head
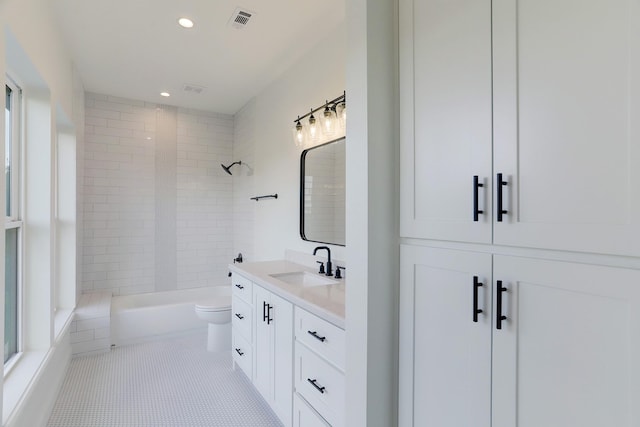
{"x": 226, "y": 168}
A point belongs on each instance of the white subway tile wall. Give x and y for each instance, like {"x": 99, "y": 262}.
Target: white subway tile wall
{"x": 119, "y": 200}
{"x": 90, "y": 330}
{"x": 205, "y": 199}
{"x": 243, "y": 182}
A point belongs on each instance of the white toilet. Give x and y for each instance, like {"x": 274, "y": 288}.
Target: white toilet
{"x": 217, "y": 312}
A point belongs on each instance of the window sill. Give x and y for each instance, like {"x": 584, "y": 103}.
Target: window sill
{"x": 22, "y": 373}
{"x": 17, "y": 381}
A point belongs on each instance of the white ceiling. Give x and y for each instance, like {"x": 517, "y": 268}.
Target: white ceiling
{"x": 135, "y": 48}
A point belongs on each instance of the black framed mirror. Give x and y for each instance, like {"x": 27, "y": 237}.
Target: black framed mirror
{"x": 322, "y": 193}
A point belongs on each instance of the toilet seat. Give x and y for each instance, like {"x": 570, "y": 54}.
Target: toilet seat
{"x": 222, "y": 303}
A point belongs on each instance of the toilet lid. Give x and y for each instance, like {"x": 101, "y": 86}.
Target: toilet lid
{"x": 215, "y": 304}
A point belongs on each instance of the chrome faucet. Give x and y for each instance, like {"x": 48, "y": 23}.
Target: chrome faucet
{"x": 329, "y": 270}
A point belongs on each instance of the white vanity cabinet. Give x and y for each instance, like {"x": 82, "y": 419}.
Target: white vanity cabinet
{"x": 242, "y": 323}
{"x": 555, "y": 347}
{"x": 319, "y": 370}
{"x": 283, "y": 331}
{"x": 273, "y": 348}
{"x": 544, "y": 94}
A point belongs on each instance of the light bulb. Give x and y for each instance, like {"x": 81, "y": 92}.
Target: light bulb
{"x": 328, "y": 122}
{"x": 314, "y": 129}
{"x": 341, "y": 111}
{"x": 298, "y": 134}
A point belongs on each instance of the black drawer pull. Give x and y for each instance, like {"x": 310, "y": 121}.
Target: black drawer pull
{"x": 476, "y": 184}
{"x": 499, "y": 316}
{"x": 500, "y": 209}
{"x": 476, "y": 310}
{"x": 239, "y": 286}
{"x": 241, "y": 353}
{"x": 313, "y": 383}
{"x": 239, "y": 316}
{"x": 316, "y": 336}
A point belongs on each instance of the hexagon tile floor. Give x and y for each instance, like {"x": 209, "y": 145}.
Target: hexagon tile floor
{"x": 171, "y": 383}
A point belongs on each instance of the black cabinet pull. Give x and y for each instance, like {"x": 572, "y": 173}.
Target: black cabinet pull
{"x": 264, "y": 311}
{"x": 269, "y": 318}
{"x": 476, "y": 184}
{"x": 316, "y": 336}
{"x": 239, "y": 316}
{"x": 500, "y": 209}
{"x": 239, "y": 286}
{"x": 313, "y": 383}
{"x": 241, "y": 353}
{"x": 476, "y": 310}
{"x": 499, "y": 316}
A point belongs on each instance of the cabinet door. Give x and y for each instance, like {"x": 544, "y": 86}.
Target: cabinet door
{"x": 445, "y": 114}
{"x": 567, "y": 123}
{"x": 282, "y": 388}
{"x": 263, "y": 347}
{"x": 445, "y": 357}
{"x": 567, "y": 354}
{"x": 304, "y": 415}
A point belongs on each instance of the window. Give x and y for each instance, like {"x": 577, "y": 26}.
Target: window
{"x": 13, "y": 223}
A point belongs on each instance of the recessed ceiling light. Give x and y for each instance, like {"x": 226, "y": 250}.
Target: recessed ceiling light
{"x": 165, "y": 94}
{"x": 185, "y": 22}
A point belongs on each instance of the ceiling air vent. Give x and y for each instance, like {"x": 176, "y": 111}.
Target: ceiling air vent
{"x": 240, "y": 18}
{"x": 193, "y": 88}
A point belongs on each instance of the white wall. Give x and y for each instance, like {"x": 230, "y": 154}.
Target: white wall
{"x": 372, "y": 214}
{"x": 157, "y": 204}
{"x": 32, "y": 24}
{"x": 273, "y": 160}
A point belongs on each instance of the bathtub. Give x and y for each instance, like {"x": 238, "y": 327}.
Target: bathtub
{"x": 144, "y": 317}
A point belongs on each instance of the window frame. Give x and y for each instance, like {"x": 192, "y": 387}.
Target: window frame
{"x": 14, "y": 219}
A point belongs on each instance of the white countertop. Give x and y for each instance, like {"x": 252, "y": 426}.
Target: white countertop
{"x": 325, "y": 301}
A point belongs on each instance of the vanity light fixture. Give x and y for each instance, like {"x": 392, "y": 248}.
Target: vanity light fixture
{"x": 185, "y": 22}
{"x": 332, "y": 123}
{"x": 165, "y": 94}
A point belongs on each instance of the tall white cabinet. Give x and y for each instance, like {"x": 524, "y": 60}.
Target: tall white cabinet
{"x": 520, "y": 213}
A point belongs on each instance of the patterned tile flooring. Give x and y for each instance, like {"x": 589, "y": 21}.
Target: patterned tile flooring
{"x": 171, "y": 383}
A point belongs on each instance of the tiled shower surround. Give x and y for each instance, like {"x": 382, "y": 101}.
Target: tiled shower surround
{"x": 157, "y": 204}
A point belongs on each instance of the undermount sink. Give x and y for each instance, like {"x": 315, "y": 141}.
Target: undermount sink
{"x": 303, "y": 278}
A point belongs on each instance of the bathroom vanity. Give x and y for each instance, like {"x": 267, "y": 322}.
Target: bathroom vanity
{"x": 288, "y": 338}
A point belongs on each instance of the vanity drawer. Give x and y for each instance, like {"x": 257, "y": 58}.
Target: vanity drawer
{"x": 242, "y": 287}
{"x": 304, "y": 415}
{"x": 321, "y": 336}
{"x": 241, "y": 317}
{"x": 241, "y": 351}
{"x": 321, "y": 384}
